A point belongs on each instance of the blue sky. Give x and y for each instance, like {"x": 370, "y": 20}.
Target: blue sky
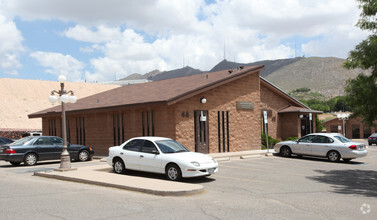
{"x": 97, "y": 40}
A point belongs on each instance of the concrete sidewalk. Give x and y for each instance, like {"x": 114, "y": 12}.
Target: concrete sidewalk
{"x": 104, "y": 176}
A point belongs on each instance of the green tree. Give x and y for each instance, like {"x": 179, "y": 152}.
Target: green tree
{"x": 361, "y": 91}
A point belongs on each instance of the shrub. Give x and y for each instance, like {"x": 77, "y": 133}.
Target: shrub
{"x": 291, "y": 139}
{"x": 271, "y": 141}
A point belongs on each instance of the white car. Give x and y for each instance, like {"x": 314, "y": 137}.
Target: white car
{"x": 331, "y": 145}
{"x": 160, "y": 155}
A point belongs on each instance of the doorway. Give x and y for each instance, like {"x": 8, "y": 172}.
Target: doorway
{"x": 201, "y": 131}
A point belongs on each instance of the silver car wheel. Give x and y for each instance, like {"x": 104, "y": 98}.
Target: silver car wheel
{"x": 30, "y": 159}
{"x": 333, "y": 156}
{"x": 83, "y": 155}
{"x": 118, "y": 167}
{"x": 173, "y": 172}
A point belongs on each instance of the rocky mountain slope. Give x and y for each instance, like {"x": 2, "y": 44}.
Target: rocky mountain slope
{"x": 320, "y": 74}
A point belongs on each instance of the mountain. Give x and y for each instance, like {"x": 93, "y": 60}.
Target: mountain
{"x": 324, "y": 75}
{"x": 185, "y": 71}
{"x": 137, "y": 76}
{"x": 269, "y": 65}
{"x": 320, "y": 74}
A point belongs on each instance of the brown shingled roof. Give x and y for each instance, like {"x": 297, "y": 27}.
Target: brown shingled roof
{"x": 290, "y": 109}
{"x": 167, "y": 91}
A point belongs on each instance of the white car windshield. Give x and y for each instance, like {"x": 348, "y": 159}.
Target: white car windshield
{"x": 170, "y": 146}
{"x": 342, "y": 139}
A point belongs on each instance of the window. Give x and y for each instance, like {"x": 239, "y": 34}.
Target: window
{"x": 334, "y": 128}
{"x": 52, "y": 127}
{"x": 170, "y": 146}
{"x": 355, "y": 131}
{"x": 118, "y": 128}
{"x": 307, "y": 139}
{"x": 342, "y": 139}
{"x": 367, "y": 131}
{"x": 147, "y": 118}
{"x": 134, "y": 145}
{"x": 43, "y": 141}
{"x": 57, "y": 141}
{"x": 148, "y": 147}
{"x": 80, "y": 130}
{"x": 322, "y": 139}
{"x": 223, "y": 130}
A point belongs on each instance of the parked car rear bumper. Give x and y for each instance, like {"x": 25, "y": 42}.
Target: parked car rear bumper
{"x": 354, "y": 154}
{"x": 18, "y": 157}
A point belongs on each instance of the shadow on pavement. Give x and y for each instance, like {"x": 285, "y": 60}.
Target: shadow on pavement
{"x": 195, "y": 180}
{"x": 322, "y": 159}
{"x": 360, "y": 182}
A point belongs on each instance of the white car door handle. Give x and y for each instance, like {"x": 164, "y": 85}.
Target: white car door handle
{"x": 141, "y": 156}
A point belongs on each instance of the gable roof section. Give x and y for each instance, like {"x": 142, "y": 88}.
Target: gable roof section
{"x": 290, "y": 109}
{"x": 168, "y": 91}
{"x": 282, "y": 94}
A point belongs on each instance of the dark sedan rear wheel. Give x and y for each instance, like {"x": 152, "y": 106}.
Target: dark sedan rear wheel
{"x": 84, "y": 155}
{"x": 30, "y": 159}
{"x": 118, "y": 166}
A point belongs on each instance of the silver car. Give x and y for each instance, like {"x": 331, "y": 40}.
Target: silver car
{"x": 331, "y": 145}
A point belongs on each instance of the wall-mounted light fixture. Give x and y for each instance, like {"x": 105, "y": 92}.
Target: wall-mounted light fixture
{"x": 203, "y": 100}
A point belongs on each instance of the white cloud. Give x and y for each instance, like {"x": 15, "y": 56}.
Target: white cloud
{"x": 142, "y": 35}
{"x": 10, "y": 46}
{"x": 101, "y": 34}
{"x": 59, "y": 64}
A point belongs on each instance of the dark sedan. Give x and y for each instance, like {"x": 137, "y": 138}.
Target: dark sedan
{"x": 4, "y": 141}
{"x": 30, "y": 150}
{"x": 372, "y": 139}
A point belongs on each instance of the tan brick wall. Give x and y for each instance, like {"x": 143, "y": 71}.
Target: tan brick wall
{"x": 348, "y": 125}
{"x": 289, "y": 125}
{"x": 244, "y": 125}
{"x": 272, "y": 101}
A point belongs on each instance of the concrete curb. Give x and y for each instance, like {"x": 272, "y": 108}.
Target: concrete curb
{"x": 88, "y": 175}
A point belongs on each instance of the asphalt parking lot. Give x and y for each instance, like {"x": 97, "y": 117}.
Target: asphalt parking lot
{"x": 257, "y": 188}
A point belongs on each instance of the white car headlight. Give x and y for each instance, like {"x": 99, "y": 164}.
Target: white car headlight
{"x": 195, "y": 164}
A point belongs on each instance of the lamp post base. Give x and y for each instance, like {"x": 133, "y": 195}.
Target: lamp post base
{"x": 65, "y": 162}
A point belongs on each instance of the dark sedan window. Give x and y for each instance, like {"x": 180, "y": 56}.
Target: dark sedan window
{"x": 148, "y": 147}
{"x": 57, "y": 141}
{"x": 43, "y": 141}
{"x": 134, "y": 145}
{"x": 23, "y": 141}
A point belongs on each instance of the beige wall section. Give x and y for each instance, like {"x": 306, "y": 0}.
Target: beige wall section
{"x": 32, "y": 96}
{"x": 244, "y": 125}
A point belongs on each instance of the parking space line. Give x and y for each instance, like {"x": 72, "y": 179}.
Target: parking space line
{"x": 264, "y": 169}
{"x": 242, "y": 179}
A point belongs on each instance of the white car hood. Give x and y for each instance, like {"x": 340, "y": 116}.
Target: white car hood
{"x": 193, "y": 156}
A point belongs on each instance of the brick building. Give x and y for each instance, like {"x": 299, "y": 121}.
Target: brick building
{"x": 210, "y": 112}
{"x": 354, "y": 128}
